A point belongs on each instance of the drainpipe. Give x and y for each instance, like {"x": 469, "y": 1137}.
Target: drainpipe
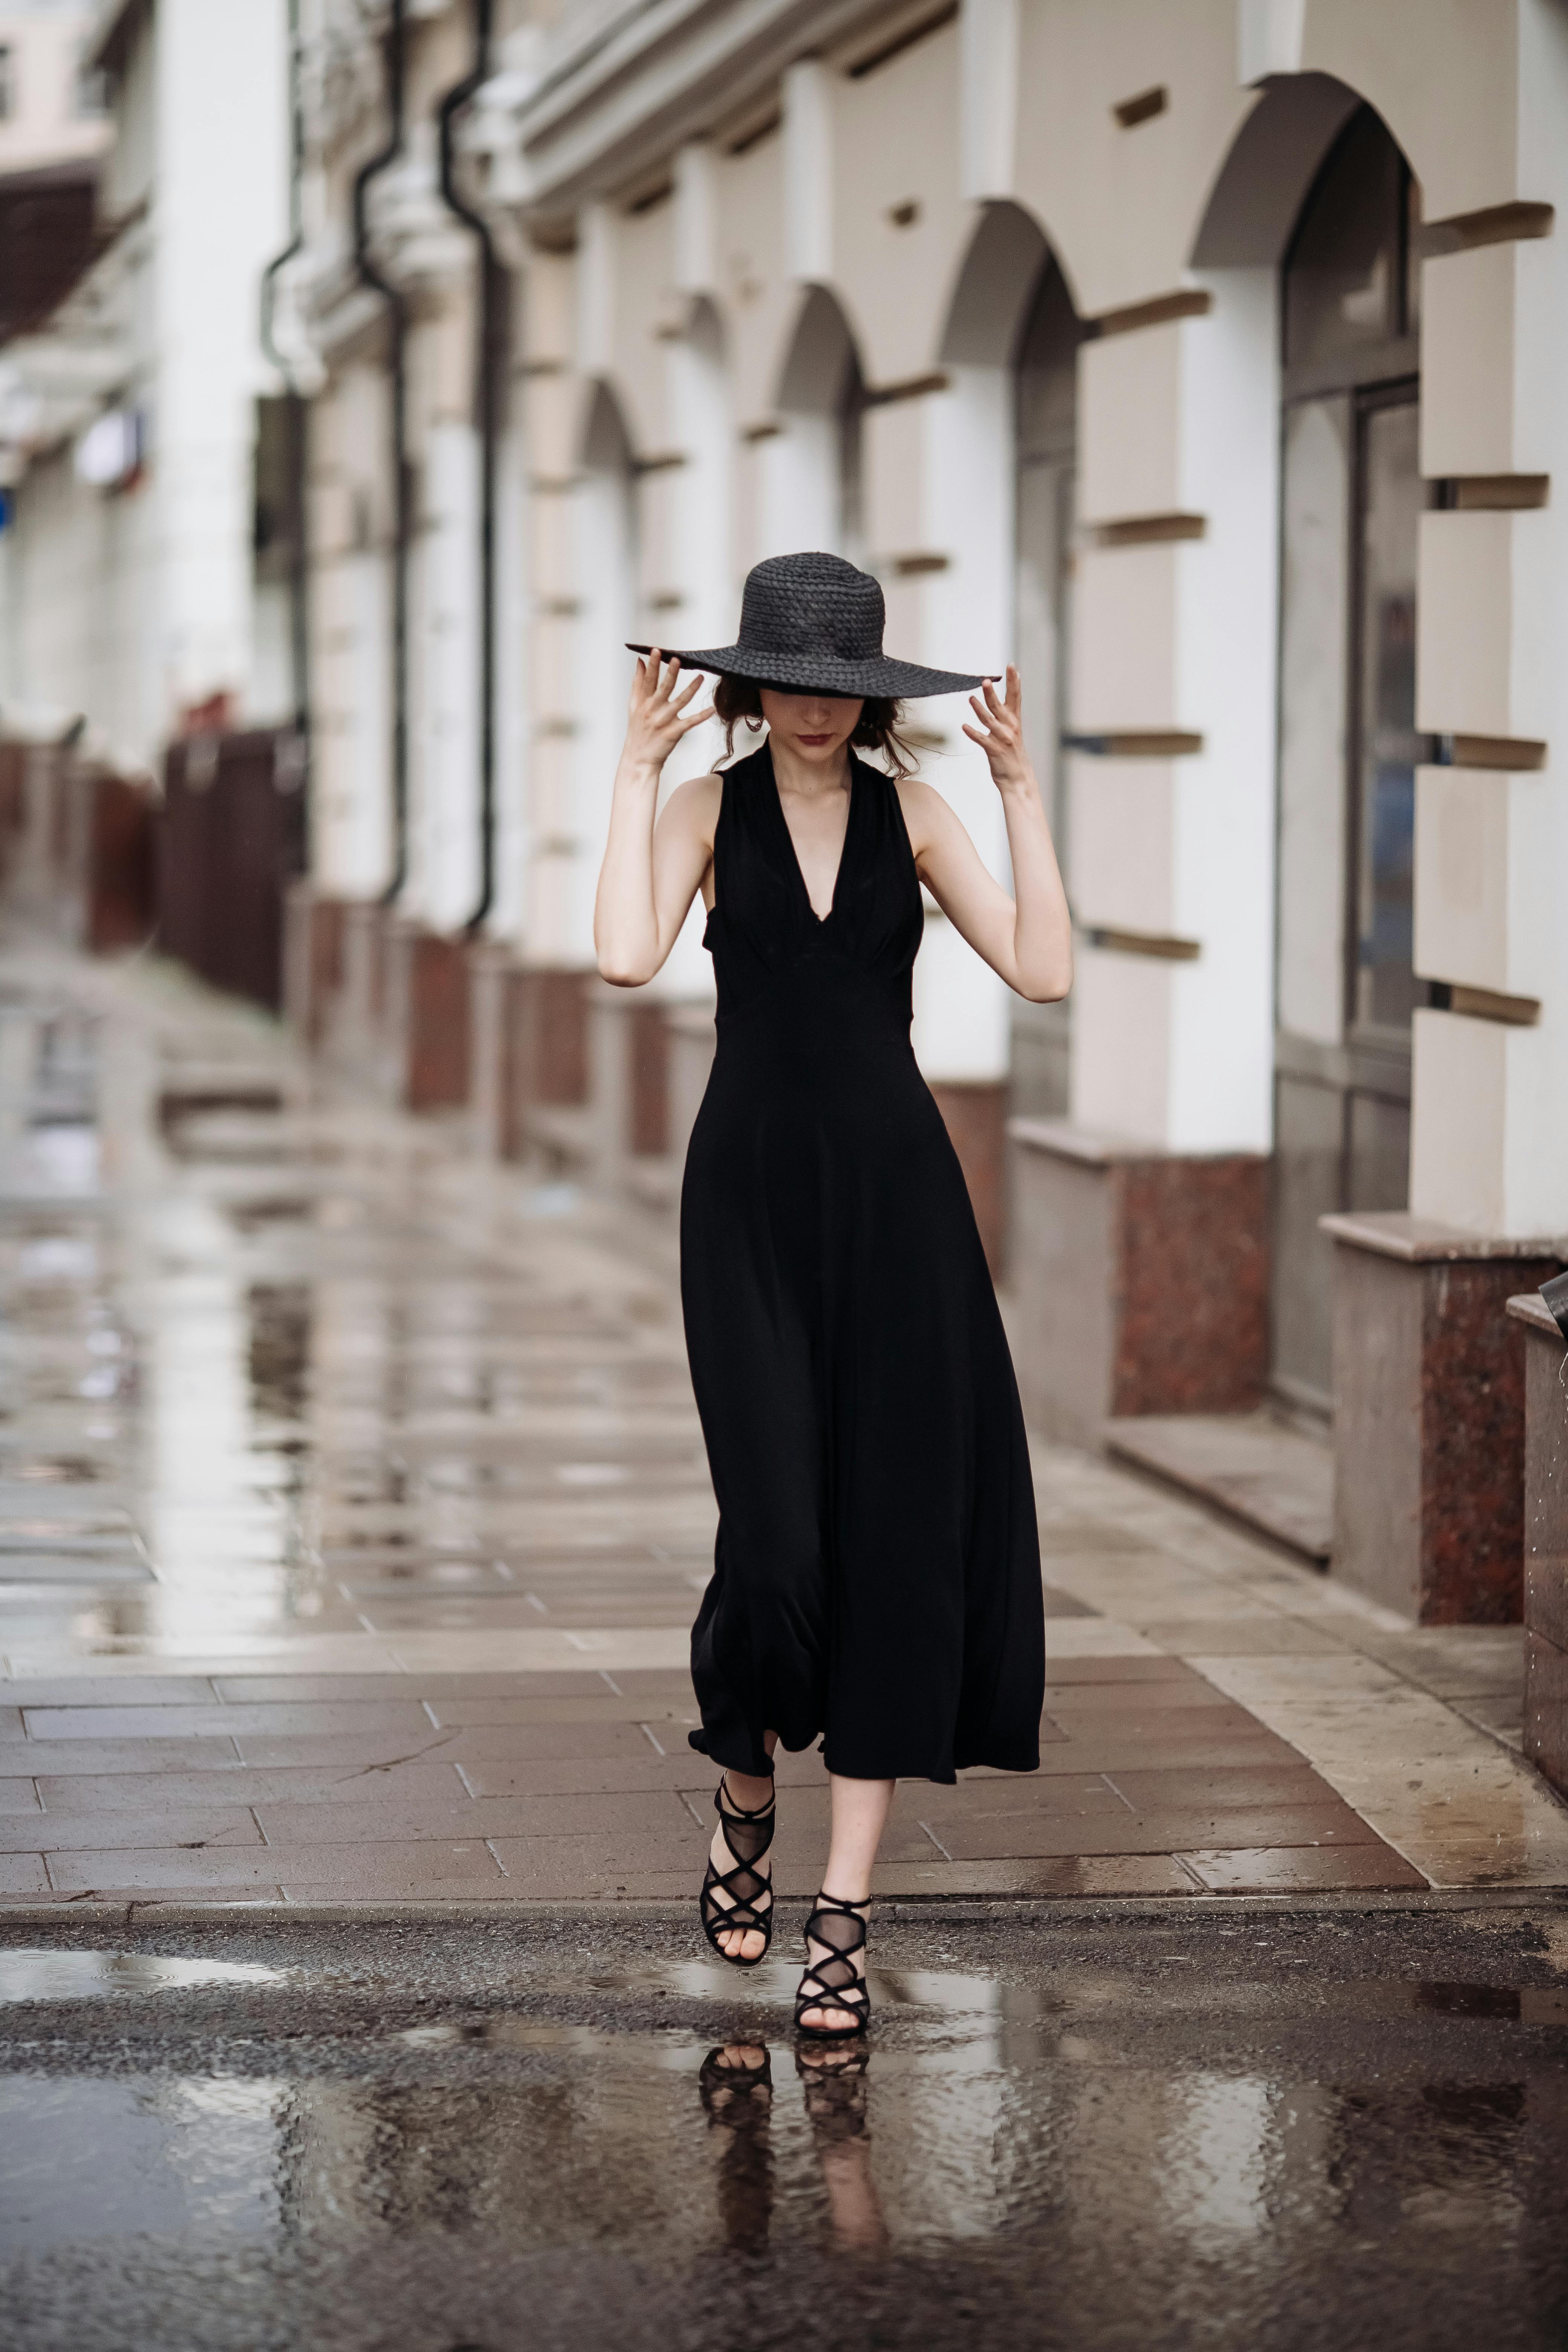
{"x": 401, "y": 488}
{"x": 488, "y": 373}
{"x": 297, "y": 414}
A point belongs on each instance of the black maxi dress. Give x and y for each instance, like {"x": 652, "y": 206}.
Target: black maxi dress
{"x": 876, "y": 1576}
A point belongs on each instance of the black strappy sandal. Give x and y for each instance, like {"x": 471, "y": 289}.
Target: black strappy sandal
{"x": 835, "y": 1981}
{"x": 742, "y": 1883}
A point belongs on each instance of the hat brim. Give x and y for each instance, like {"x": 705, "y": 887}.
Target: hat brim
{"x": 880, "y": 680}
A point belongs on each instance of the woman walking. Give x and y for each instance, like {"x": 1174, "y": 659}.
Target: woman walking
{"x": 876, "y": 1577}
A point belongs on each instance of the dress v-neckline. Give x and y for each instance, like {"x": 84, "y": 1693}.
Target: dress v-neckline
{"x": 820, "y": 920}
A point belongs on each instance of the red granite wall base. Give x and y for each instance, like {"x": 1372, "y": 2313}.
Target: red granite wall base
{"x": 1545, "y": 1540}
{"x": 547, "y": 1046}
{"x": 976, "y": 1116}
{"x": 1142, "y": 1278}
{"x": 1192, "y": 1282}
{"x": 427, "y": 1023}
{"x": 122, "y": 876}
{"x": 1430, "y": 1426}
{"x": 313, "y": 961}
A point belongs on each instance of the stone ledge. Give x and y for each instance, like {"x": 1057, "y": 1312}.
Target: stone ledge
{"x": 1424, "y": 1240}
{"x": 1529, "y": 1307}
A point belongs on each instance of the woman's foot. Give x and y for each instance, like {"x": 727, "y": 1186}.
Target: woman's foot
{"x": 738, "y": 1879}
{"x": 833, "y": 2002}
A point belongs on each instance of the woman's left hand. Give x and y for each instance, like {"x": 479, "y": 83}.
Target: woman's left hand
{"x": 1000, "y": 734}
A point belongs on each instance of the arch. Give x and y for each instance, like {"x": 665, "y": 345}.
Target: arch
{"x": 811, "y": 495}
{"x": 705, "y": 331}
{"x": 603, "y": 442}
{"x": 995, "y": 286}
{"x": 822, "y": 370}
{"x": 1266, "y": 177}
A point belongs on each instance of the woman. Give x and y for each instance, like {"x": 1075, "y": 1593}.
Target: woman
{"x": 877, "y": 1578}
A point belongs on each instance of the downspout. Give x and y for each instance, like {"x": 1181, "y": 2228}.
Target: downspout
{"x": 402, "y": 498}
{"x": 297, "y": 412}
{"x": 488, "y": 362}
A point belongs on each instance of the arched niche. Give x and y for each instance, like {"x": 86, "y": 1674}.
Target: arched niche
{"x": 604, "y": 442}
{"x": 1010, "y": 344}
{"x": 994, "y": 287}
{"x": 818, "y": 499}
{"x": 1255, "y": 201}
{"x": 608, "y": 614}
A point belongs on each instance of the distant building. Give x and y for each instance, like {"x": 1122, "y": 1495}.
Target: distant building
{"x": 133, "y": 410}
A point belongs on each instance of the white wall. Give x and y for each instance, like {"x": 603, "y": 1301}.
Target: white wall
{"x": 221, "y": 213}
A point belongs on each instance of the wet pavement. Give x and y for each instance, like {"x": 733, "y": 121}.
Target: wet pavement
{"x": 1224, "y": 2129}
{"x": 353, "y": 1511}
{"x": 352, "y": 1515}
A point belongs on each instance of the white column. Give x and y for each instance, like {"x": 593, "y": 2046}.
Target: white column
{"x": 445, "y": 867}
{"x": 961, "y": 443}
{"x": 1489, "y": 1111}
{"x": 221, "y": 117}
{"x": 1174, "y": 656}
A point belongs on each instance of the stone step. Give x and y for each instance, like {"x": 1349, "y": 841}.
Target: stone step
{"x": 1250, "y": 1467}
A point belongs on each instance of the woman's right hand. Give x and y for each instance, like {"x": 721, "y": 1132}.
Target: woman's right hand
{"x": 658, "y": 717}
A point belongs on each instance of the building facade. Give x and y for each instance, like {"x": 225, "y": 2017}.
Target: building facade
{"x": 132, "y": 414}
{"x": 1203, "y": 358}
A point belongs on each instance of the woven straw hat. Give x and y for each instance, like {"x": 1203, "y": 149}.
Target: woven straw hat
{"x": 812, "y": 623}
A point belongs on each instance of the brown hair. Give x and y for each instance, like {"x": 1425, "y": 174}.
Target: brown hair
{"x": 882, "y": 719}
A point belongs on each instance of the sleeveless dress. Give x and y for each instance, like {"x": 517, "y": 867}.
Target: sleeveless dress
{"x": 877, "y": 1575}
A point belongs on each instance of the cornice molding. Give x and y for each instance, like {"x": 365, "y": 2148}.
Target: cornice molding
{"x": 630, "y": 92}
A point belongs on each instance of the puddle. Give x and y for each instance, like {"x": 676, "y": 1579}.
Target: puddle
{"x": 1017, "y": 2163}
{"x": 44, "y": 1975}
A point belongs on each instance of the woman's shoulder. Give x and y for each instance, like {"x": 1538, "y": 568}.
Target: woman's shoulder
{"x": 695, "y": 805}
{"x": 922, "y": 808}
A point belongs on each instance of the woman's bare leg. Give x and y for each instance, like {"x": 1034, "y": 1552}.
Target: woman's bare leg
{"x": 859, "y": 1817}
{"x": 750, "y": 1792}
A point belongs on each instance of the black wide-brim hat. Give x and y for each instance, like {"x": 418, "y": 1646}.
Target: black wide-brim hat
{"x": 813, "y": 625}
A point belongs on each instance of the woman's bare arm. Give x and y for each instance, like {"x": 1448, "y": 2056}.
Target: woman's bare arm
{"x": 652, "y": 872}
{"x": 1028, "y": 938}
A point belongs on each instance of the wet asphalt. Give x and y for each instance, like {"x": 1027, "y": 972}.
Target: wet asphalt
{"x": 1234, "y": 2127}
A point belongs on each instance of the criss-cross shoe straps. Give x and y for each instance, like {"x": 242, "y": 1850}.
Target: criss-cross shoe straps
{"x": 835, "y": 1981}
{"x": 747, "y": 1837}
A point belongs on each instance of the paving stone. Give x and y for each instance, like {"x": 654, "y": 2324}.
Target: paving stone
{"x": 400, "y": 1866}
{"x": 156, "y": 1822}
{"x": 630, "y": 1816}
{"x": 1300, "y": 1870}
{"x": 113, "y": 1690}
{"x": 104, "y": 1792}
{"x": 23, "y": 1874}
{"x": 1100, "y": 1831}
{"x": 287, "y": 1690}
{"x": 332, "y": 1719}
{"x": 129, "y": 1756}
{"x": 11, "y": 1724}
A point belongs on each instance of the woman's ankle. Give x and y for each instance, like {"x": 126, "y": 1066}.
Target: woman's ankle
{"x": 745, "y": 1792}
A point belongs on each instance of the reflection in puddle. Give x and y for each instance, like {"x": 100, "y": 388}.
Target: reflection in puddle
{"x": 46, "y": 1975}
{"x": 1113, "y": 2165}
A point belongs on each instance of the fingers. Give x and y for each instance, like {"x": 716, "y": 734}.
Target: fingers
{"x": 695, "y": 718}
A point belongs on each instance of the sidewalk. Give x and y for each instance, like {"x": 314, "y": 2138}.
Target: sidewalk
{"x": 353, "y": 1511}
